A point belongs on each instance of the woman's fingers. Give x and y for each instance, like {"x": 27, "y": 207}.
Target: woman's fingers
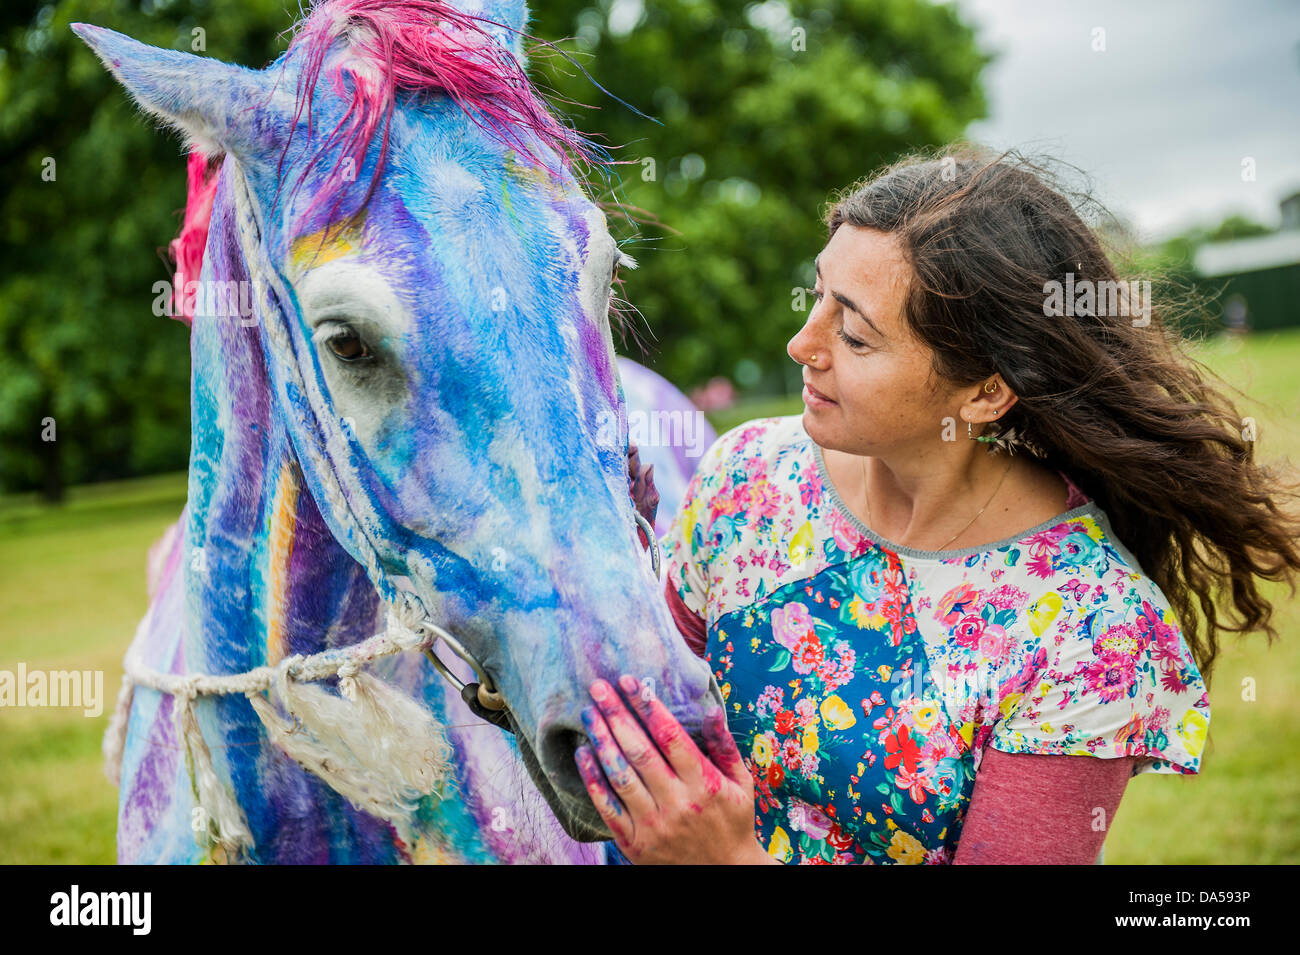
{"x": 602, "y": 797}
{"x": 683, "y": 756}
{"x": 624, "y": 778}
{"x": 636, "y": 747}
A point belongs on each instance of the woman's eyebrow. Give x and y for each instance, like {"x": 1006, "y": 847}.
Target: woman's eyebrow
{"x": 848, "y": 303}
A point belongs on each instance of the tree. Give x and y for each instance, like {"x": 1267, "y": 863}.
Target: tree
{"x": 91, "y": 195}
{"x": 764, "y": 110}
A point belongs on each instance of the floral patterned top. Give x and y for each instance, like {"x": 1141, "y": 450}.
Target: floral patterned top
{"x": 863, "y": 679}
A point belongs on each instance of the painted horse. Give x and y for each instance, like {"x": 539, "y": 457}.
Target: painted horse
{"x": 408, "y": 513}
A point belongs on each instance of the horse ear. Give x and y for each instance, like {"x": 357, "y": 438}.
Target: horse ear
{"x": 217, "y": 107}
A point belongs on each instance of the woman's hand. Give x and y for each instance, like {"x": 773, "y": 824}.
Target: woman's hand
{"x": 641, "y": 484}
{"x": 664, "y": 800}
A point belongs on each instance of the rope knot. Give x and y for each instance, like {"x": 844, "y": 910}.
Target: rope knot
{"x": 348, "y": 679}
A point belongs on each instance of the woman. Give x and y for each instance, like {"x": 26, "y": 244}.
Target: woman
{"x": 950, "y": 607}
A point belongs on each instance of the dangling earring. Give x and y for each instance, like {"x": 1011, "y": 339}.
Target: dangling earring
{"x": 987, "y": 438}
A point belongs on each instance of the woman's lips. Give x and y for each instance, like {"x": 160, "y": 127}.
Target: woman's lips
{"x": 814, "y": 398}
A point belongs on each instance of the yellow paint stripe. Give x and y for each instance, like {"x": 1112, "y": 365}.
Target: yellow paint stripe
{"x": 284, "y": 522}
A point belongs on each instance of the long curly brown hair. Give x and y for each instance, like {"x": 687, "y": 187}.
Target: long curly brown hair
{"x": 1111, "y": 399}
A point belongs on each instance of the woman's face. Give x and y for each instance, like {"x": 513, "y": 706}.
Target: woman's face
{"x": 869, "y": 390}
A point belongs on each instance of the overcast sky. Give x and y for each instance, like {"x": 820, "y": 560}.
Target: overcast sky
{"x": 1163, "y": 117}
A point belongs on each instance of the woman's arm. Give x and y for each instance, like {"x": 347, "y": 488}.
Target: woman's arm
{"x": 1030, "y": 809}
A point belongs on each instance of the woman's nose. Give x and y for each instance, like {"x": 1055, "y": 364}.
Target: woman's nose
{"x": 802, "y": 347}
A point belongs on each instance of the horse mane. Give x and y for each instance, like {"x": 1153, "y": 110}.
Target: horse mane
{"x": 413, "y": 49}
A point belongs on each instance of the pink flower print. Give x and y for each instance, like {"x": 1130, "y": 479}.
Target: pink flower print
{"x": 913, "y": 782}
{"x": 1110, "y": 676}
{"x": 769, "y": 701}
{"x": 846, "y": 537}
{"x": 806, "y": 710}
{"x": 809, "y": 819}
{"x": 1008, "y": 597}
{"x": 994, "y": 643}
{"x": 1158, "y": 719}
{"x": 947, "y": 609}
{"x": 809, "y": 654}
{"x": 790, "y": 624}
{"x": 762, "y": 499}
{"x": 1171, "y": 678}
{"x": 791, "y": 753}
{"x": 810, "y": 489}
{"x": 969, "y": 631}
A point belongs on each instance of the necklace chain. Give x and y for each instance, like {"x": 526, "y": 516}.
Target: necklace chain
{"x": 872, "y": 522}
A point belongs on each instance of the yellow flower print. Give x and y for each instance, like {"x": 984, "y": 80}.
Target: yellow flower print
{"x": 779, "y": 847}
{"x": 863, "y": 617}
{"x": 1011, "y": 703}
{"x": 905, "y": 850}
{"x": 836, "y": 713}
{"x": 925, "y": 716}
{"x": 1191, "y": 730}
{"x": 1043, "y": 612}
{"x": 883, "y": 672}
{"x": 762, "y": 749}
{"x": 810, "y": 739}
{"x": 801, "y": 545}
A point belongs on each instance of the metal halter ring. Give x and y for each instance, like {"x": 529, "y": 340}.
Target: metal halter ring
{"x": 650, "y": 536}
{"x": 485, "y": 690}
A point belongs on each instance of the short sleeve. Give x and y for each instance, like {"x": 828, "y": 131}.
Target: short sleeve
{"x": 1121, "y": 681}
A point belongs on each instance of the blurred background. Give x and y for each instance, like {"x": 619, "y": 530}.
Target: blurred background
{"x": 1180, "y": 118}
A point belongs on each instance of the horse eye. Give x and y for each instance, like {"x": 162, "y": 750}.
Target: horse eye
{"x": 348, "y": 346}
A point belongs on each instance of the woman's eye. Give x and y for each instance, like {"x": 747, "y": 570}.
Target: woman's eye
{"x": 850, "y": 341}
{"x": 348, "y": 346}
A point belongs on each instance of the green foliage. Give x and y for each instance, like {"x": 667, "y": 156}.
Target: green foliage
{"x": 754, "y": 135}
{"x": 757, "y": 125}
{"x": 80, "y": 253}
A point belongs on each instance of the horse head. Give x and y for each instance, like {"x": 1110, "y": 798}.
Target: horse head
{"x": 431, "y": 287}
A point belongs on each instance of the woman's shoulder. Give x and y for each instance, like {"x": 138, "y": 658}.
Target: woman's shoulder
{"x": 1104, "y": 666}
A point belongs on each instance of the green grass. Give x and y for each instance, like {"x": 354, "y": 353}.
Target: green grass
{"x": 73, "y": 590}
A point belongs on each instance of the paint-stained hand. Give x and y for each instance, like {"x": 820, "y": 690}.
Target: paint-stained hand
{"x": 642, "y": 485}
{"x": 663, "y": 799}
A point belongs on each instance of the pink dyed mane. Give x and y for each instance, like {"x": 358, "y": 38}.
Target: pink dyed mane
{"x": 414, "y": 48}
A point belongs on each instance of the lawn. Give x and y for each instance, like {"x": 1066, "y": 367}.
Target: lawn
{"x": 73, "y": 590}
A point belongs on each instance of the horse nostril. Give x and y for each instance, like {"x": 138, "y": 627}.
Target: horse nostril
{"x": 557, "y": 747}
